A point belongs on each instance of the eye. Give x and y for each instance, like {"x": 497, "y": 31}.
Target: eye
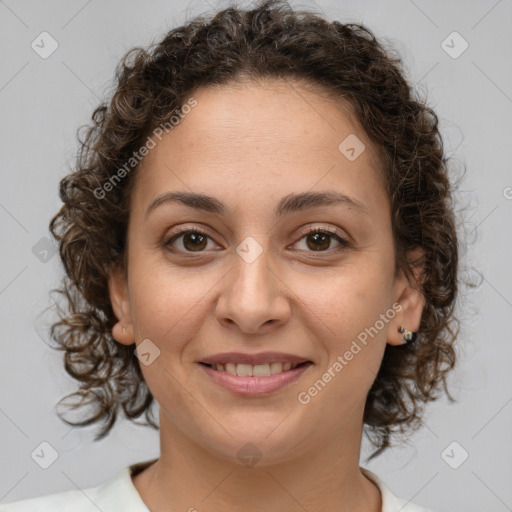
{"x": 196, "y": 240}
{"x": 319, "y": 240}
{"x": 193, "y": 240}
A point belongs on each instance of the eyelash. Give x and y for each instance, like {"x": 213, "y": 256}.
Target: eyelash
{"x": 344, "y": 244}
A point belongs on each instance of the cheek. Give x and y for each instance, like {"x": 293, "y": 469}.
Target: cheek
{"x": 165, "y": 310}
{"x": 164, "y": 297}
{"x": 352, "y": 297}
{"x": 352, "y": 338}
{"x": 353, "y": 312}
{"x": 169, "y": 318}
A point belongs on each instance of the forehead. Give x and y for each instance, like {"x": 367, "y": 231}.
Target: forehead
{"x": 252, "y": 136}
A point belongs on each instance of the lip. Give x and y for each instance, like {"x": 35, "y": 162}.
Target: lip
{"x": 255, "y": 386}
{"x": 261, "y": 358}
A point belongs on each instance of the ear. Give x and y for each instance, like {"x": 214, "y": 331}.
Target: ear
{"x": 410, "y": 297}
{"x": 119, "y": 298}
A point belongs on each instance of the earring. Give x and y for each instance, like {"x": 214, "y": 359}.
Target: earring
{"x": 124, "y": 328}
{"x": 407, "y": 336}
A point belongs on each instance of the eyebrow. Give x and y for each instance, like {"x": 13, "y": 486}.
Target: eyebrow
{"x": 288, "y": 204}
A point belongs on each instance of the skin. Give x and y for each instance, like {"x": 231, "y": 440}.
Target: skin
{"x": 248, "y": 145}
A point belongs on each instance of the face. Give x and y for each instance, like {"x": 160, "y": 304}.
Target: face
{"x": 281, "y": 285}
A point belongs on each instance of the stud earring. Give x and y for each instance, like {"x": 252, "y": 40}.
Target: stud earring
{"x": 124, "y": 328}
{"x": 407, "y": 336}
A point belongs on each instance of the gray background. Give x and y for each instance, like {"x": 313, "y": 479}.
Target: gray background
{"x": 43, "y": 101}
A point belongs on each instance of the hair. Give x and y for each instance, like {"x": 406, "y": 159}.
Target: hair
{"x": 271, "y": 41}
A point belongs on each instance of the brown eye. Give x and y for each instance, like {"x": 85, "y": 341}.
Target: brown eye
{"x": 192, "y": 241}
{"x": 319, "y": 240}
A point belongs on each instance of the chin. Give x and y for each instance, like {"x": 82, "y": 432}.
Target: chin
{"x": 259, "y": 443}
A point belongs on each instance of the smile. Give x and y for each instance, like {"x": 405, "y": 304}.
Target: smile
{"x": 254, "y": 380}
{"x": 256, "y": 370}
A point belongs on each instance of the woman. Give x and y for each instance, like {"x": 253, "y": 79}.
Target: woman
{"x": 263, "y": 211}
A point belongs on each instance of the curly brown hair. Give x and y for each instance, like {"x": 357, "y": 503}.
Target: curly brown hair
{"x": 270, "y": 41}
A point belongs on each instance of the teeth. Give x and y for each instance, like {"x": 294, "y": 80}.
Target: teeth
{"x": 231, "y": 368}
{"x": 257, "y": 370}
{"x": 276, "y": 368}
{"x": 244, "y": 370}
{"x": 261, "y": 370}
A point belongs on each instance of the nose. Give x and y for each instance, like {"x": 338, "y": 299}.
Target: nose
{"x": 253, "y": 297}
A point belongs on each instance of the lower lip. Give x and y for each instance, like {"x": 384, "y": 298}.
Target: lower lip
{"x": 253, "y": 386}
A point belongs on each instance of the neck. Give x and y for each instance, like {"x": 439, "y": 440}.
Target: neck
{"x": 191, "y": 478}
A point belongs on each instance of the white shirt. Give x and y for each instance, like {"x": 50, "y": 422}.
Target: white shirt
{"x": 120, "y": 495}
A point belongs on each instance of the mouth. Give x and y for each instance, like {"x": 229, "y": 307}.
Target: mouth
{"x": 254, "y": 375}
{"x": 256, "y": 370}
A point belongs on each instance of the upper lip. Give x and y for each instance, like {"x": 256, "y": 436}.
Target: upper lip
{"x": 253, "y": 359}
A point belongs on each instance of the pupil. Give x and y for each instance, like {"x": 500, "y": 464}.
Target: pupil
{"x": 196, "y": 239}
{"x": 320, "y": 237}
